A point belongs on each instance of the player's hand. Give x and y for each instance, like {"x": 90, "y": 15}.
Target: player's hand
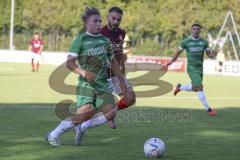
{"x": 165, "y": 67}
{"x": 168, "y": 64}
{"x": 90, "y": 76}
{"x": 212, "y": 53}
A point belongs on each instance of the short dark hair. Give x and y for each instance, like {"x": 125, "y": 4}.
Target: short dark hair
{"x": 115, "y": 9}
{"x": 89, "y": 12}
{"x": 196, "y": 25}
{"x": 37, "y": 33}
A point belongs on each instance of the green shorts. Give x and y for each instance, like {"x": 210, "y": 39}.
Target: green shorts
{"x": 196, "y": 78}
{"x": 88, "y": 95}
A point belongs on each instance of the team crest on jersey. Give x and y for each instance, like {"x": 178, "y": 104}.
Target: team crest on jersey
{"x": 191, "y": 44}
{"x": 196, "y": 49}
{"x": 97, "y": 51}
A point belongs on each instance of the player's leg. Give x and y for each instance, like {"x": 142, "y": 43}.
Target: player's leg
{"x": 129, "y": 98}
{"x": 98, "y": 119}
{"x": 221, "y": 66}
{"x": 198, "y": 87}
{"x": 194, "y": 76}
{"x": 203, "y": 99}
{"x": 179, "y": 87}
{"x": 87, "y": 111}
{"x": 35, "y": 61}
{"x": 85, "y": 101}
{"x": 108, "y": 110}
{"x": 39, "y": 59}
{"x": 38, "y": 64}
{"x": 33, "y": 69}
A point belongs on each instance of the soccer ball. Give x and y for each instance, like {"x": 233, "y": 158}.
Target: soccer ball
{"x": 154, "y": 148}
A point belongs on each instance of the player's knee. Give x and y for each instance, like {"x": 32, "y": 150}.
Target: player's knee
{"x": 194, "y": 89}
{"x": 130, "y": 99}
{"x": 197, "y": 88}
{"x": 111, "y": 114}
{"x": 200, "y": 88}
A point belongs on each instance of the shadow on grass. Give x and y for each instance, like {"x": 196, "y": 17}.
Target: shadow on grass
{"x": 188, "y": 134}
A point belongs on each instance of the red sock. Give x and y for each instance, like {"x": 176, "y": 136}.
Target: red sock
{"x": 122, "y": 104}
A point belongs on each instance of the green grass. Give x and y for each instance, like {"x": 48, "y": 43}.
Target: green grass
{"x": 27, "y": 114}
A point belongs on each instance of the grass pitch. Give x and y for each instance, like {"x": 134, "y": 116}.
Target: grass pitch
{"x": 27, "y": 114}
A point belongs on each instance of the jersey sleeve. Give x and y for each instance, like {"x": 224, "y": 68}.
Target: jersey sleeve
{"x": 182, "y": 46}
{"x": 75, "y": 47}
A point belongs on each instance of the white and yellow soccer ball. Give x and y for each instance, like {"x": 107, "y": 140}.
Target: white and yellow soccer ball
{"x": 154, "y": 148}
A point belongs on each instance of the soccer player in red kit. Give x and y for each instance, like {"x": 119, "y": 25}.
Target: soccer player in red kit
{"x": 36, "y": 46}
{"x": 116, "y": 36}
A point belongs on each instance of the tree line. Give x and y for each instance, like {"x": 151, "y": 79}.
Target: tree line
{"x": 155, "y": 27}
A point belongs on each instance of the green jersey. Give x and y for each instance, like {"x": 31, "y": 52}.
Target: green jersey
{"x": 93, "y": 53}
{"x": 195, "y": 49}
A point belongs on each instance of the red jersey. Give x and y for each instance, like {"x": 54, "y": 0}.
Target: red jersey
{"x": 36, "y": 45}
{"x": 116, "y": 38}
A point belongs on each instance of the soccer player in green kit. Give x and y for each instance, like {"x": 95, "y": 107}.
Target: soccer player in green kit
{"x": 116, "y": 36}
{"x": 93, "y": 53}
{"x": 195, "y": 47}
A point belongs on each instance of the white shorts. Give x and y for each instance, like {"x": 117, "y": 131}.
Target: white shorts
{"x": 37, "y": 58}
{"x": 114, "y": 85}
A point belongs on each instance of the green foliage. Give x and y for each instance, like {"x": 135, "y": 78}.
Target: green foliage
{"x": 170, "y": 21}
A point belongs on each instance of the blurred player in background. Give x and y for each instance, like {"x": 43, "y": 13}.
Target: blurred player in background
{"x": 36, "y": 47}
{"x": 93, "y": 52}
{"x": 220, "y": 60}
{"x": 195, "y": 47}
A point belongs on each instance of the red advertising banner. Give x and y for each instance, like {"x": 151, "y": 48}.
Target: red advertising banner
{"x": 152, "y": 63}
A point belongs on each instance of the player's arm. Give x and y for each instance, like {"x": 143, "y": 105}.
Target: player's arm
{"x": 122, "y": 64}
{"x": 211, "y": 53}
{"x": 73, "y": 55}
{"x": 71, "y": 65}
{"x": 122, "y": 58}
{"x": 116, "y": 70}
{"x": 41, "y": 48}
{"x": 175, "y": 57}
{"x": 30, "y": 47}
